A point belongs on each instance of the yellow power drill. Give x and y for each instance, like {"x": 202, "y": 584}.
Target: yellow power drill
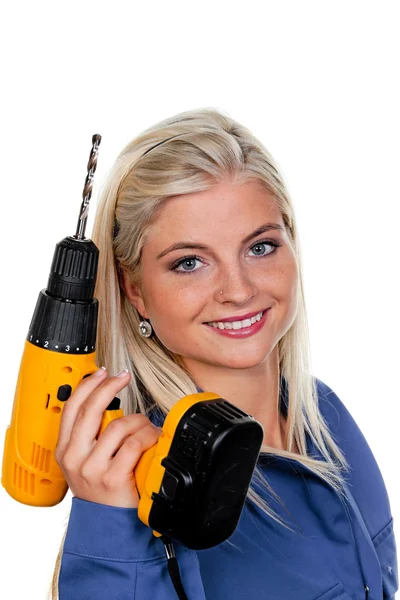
{"x": 192, "y": 484}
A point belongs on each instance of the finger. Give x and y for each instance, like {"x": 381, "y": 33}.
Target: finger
{"x": 131, "y": 450}
{"x": 73, "y": 404}
{"x": 115, "y": 434}
{"x": 88, "y": 420}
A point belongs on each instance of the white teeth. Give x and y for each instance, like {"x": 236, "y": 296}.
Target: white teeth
{"x": 236, "y": 324}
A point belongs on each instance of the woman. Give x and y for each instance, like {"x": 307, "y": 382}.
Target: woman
{"x": 200, "y": 289}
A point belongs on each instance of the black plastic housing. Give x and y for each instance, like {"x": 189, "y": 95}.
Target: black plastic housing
{"x": 208, "y": 471}
{"x": 73, "y": 270}
{"x": 65, "y": 316}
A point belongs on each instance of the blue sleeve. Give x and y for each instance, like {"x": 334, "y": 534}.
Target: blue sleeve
{"x": 109, "y": 554}
{"x": 365, "y": 482}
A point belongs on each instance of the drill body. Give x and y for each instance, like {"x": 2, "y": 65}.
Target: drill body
{"x": 59, "y": 352}
{"x": 46, "y": 379}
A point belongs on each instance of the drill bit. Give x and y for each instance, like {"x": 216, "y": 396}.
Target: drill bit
{"x": 87, "y": 190}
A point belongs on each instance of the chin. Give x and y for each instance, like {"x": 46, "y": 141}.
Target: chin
{"x": 239, "y": 362}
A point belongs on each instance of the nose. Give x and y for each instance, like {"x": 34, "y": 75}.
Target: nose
{"x": 236, "y": 285}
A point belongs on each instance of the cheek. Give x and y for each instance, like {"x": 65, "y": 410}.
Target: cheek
{"x": 285, "y": 291}
{"x": 290, "y": 293}
{"x": 171, "y": 312}
{"x": 172, "y": 303}
{"x": 281, "y": 280}
{"x": 290, "y": 282}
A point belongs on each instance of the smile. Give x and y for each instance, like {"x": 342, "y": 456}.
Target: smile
{"x": 239, "y": 329}
{"x": 237, "y": 324}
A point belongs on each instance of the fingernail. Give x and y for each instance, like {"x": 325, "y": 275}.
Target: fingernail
{"x": 122, "y": 373}
{"x": 100, "y": 371}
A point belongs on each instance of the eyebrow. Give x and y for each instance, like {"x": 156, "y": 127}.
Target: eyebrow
{"x": 196, "y": 246}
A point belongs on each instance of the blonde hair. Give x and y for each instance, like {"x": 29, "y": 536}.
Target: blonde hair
{"x": 187, "y": 153}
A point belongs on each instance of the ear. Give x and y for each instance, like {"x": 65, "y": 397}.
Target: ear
{"x": 133, "y": 293}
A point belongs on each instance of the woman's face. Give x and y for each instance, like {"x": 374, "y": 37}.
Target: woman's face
{"x": 180, "y": 288}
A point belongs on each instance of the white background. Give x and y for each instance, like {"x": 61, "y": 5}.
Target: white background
{"x": 316, "y": 81}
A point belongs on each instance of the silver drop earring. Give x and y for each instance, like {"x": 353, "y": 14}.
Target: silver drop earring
{"x": 145, "y": 329}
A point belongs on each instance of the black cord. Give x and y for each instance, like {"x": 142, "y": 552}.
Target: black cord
{"x": 173, "y": 568}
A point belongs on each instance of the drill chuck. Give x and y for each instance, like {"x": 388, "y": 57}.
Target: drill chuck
{"x": 65, "y": 317}
{"x": 73, "y": 270}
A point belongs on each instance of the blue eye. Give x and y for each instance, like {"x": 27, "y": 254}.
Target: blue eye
{"x": 261, "y": 244}
{"x": 189, "y": 261}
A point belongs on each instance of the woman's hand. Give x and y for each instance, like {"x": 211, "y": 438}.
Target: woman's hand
{"x": 102, "y": 470}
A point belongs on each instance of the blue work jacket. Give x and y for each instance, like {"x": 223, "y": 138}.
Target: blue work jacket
{"x": 337, "y": 549}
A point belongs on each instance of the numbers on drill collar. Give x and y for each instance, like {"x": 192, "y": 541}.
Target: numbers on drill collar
{"x": 61, "y": 347}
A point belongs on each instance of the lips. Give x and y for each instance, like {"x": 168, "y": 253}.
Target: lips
{"x": 238, "y": 318}
{"x": 233, "y": 331}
